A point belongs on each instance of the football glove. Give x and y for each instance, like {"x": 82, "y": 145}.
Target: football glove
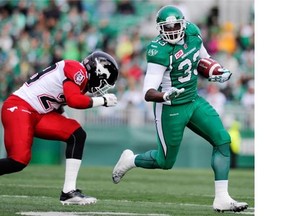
{"x": 109, "y": 100}
{"x": 226, "y": 74}
{"x": 172, "y": 93}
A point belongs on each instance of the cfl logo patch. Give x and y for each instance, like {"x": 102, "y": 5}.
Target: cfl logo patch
{"x": 179, "y": 54}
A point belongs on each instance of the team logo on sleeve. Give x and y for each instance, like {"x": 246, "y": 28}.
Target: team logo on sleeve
{"x": 152, "y": 52}
{"x": 79, "y": 77}
{"x": 179, "y": 54}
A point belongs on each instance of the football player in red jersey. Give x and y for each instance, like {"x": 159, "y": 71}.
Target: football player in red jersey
{"x": 36, "y": 110}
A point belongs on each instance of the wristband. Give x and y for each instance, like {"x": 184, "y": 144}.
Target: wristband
{"x": 165, "y": 97}
{"x": 98, "y": 101}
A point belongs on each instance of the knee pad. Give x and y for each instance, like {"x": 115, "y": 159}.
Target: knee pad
{"x": 75, "y": 144}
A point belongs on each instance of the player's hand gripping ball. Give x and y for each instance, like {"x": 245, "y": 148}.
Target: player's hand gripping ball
{"x": 208, "y": 67}
{"x": 212, "y": 70}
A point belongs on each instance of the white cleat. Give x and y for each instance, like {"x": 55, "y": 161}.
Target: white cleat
{"x": 229, "y": 205}
{"x": 124, "y": 164}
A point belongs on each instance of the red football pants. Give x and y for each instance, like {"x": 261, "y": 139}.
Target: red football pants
{"x": 21, "y": 123}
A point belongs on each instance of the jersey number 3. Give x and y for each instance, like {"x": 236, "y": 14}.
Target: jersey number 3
{"x": 188, "y": 71}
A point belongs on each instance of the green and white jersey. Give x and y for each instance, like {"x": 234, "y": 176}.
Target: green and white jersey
{"x": 181, "y": 62}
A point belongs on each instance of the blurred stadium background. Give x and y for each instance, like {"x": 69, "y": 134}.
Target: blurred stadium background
{"x": 35, "y": 34}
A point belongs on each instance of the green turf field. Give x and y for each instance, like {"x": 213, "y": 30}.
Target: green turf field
{"x": 177, "y": 192}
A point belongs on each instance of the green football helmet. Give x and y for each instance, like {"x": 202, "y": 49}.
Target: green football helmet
{"x": 171, "y": 24}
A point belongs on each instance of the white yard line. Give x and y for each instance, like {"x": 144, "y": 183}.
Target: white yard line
{"x": 102, "y": 213}
{"x": 85, "y": 214}
{"x": 23, "y": 196}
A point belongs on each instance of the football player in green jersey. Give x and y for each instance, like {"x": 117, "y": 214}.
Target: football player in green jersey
{"x": 171, "y": 83}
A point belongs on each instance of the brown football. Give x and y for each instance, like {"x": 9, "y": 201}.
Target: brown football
{"x": 208, "y": 67}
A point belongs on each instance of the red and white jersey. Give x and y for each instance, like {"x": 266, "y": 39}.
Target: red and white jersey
{"x": 44, "y": 91}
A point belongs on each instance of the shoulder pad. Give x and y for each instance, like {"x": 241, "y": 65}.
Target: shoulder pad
{"x": 192, "y": 29}
{"x": 75, "y": 71}
{"x": 158, "y": 51}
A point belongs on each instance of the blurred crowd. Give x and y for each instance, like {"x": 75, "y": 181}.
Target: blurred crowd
{"x": 35, "y": 34}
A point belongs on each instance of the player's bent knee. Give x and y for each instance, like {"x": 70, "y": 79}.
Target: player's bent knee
{"x": 222, "y": 137}
{"x": 80, "y": 135}
{"x": 18, "y": 166}
{"x": 166, "y": 165}
{"x": 75, "y": 144}
{"x": 223, "y": 149}
{"x": 9, "y": 165}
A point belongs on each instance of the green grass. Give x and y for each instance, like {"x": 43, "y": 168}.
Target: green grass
{"x": 141, "y": 192}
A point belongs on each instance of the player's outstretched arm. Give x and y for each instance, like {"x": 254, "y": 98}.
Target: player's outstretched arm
{"x": 107, "y": 100}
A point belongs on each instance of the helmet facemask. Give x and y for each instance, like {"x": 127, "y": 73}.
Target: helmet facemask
{"x": 172, "y": 30}
{"x": 98, "y": 87}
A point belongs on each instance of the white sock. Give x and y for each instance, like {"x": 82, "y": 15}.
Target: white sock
{"x": 71, "y": 173}
{"x": 221, "y": 189}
